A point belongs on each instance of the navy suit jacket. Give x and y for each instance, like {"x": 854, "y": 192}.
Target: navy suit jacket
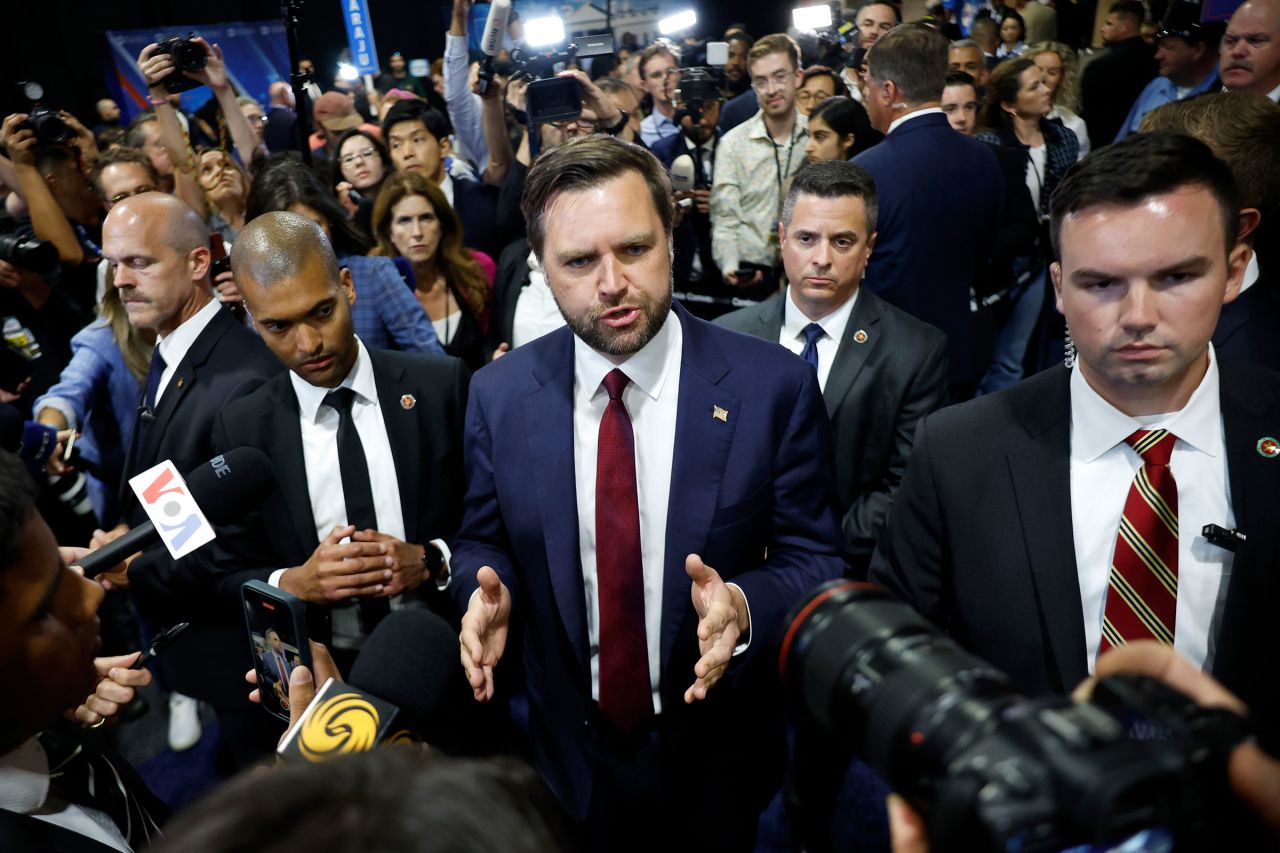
{"x": 941, "y": 207}
{"x": 736, "y": 110}
{"x": 757, "y": 482}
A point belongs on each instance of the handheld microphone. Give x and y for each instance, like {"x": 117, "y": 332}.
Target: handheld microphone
{"x": 683, "y": 177}
{"x": 396, "y": 685}
{"x": 491, "y": 41}
{"x": 223, "y": 488}
{"x": 30, "y": 441}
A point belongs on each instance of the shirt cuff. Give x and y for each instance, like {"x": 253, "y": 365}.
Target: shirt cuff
{"x": 743, "y": 644}
{"x": 448, "y": 573}
{"x": 60, "y": 405}
{"x": 274, "y": 580}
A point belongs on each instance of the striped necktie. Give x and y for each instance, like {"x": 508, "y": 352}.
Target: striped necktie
{"x": 1142, "y": 593}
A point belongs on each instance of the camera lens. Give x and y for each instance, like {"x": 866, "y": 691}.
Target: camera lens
{"x": 189, "y": 56}
{"x": 49, "y": 127}
{"x": 36, "y": 256}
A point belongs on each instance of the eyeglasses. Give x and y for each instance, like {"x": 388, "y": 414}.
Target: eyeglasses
{"x": 119, "y": 197}
{"x": 764, "y": 84}
{"x": 579, "y": 125}
{"x": 807, "y": 95}
{"x": 363, "y": 154}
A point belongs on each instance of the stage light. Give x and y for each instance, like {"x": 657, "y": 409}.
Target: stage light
{"x": 811, "y": 19}
{"x": 544, "y": 32}
{"x": 678, "y": 22}
{"x": 347, "y": 71}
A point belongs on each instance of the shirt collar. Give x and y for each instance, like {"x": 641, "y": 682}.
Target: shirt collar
{"x": 647, "y": 369}
{"x": 758, "y": 129}
{"x": 174, "y": 346}
{"x": 1251, "y": 273}
{"x": 24, "y": 778}
{"x": 360, "y": 379}
{"x": 893, "y": 125}
{"x": 446, "y": 186}
{"x": 1097, "y": 426}
{"x": 833, "y": 324}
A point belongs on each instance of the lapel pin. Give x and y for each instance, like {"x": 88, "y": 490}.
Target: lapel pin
{"x": 860, "y": 336}
{"x": 1268, "y": 447}
{"x": 720, "y": 414}
{"x": 180, "y": 381}
{"x": 408, "y": 401}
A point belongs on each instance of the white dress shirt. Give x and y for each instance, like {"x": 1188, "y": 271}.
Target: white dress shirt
{"x": 24, "y": 789}
{"x": 446, "y": 187}
{"x": 893, "y": 125}
{"x": 794, "y": 322}
{"x": 174, "y": 346}
{"x": 536, "y": 310}
{"x": 1102, "y": 470}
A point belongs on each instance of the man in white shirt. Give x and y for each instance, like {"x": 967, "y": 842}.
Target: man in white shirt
{"x": 648, "y": 494}
{"x": 1132, "y": 496}
{"x": 1251, "y": 49}
{"x": 659, "y": 76}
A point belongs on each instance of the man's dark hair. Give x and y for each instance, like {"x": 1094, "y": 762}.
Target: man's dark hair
{"x": 837, "y": 82}
{"x": 1129, "y": 8}
{"x": 962, "y": 78}
{"x": 581, "y": 164}
{"x": 897, "y": 12}
{"x": 833, "y": 179}
{"x": 1141, "y": 166}
{"x": 411, "y": 109}
{"x": 17, "y": 502}
{"x": 914, "y": 57}
{"x": 135, "y": 156}
{"x": 52, "y": 158}
{"x": 136, "y": 138}
{"x": 387, "y": 799}
{"x": 739, "y": 34}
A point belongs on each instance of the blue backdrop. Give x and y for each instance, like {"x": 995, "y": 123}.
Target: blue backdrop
{"x": 256, "y": 53}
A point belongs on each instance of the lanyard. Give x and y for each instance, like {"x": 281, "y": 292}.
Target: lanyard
{"x": 782, "y": 176}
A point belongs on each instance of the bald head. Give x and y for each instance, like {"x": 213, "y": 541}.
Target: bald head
{"x": 169, "y": 219}
{"x": 278, "y": 246}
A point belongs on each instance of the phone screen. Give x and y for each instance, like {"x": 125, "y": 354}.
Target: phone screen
{"x": 277, "y": 649}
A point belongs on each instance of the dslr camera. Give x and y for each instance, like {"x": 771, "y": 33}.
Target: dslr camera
{"x": 44, "y": 122}
{"x": 188, "y": 55}
{"x": 551, "y": 98}
{"x": 20, "y": 248}
{"x": 992, "y": 770}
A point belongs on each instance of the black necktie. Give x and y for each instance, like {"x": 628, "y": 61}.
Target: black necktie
{"x": 82, "y": 774}
{"x": 153, "y": 379}
{"x": 357, "y": 491}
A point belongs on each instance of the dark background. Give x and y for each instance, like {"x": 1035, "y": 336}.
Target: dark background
{"x": 60, "y": 43}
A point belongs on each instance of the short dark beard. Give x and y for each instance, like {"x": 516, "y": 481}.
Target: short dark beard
{"x": 627, "y": 343}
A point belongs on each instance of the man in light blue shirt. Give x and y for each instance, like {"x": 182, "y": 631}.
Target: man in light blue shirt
{"x": 1187, "y": 52}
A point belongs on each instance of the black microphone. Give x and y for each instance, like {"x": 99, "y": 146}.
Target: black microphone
{"x": 409, "y": 660}
{"x": 224, "y": 488}
{"x": 30, "y": 441}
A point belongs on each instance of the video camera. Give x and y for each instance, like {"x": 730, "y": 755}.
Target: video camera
{"x": 188, "y": 55}
{"x": 826, "y": 24}
{"x": 992, "y": 770}
{"x": 548, "y": 97}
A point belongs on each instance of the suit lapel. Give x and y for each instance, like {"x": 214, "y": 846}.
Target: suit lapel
{"x": 184, "y": 377}
{"x": 404, "y": 432}
{"x": 701, "y": 448}
{"x": 1041, "y": 473}
{"x": 284, "y": 444}
{"x": 851, "y": 355}
{"x": 548, "y": 418}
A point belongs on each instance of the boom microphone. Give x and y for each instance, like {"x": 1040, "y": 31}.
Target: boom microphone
{"x": 224, "y": 488}
{"x": 683, "y": 177}
{"x": 409, "y": 660}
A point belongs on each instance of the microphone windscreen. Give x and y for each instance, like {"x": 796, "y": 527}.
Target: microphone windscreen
{"x": 682, "y": 175}
{"x": 228, "y": 486}
{"x": 409, "y": 660}
{"x": 495, "y": 26}
{"x": 11, "y": 424}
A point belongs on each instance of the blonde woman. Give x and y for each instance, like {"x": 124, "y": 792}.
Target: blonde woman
{"x": 1062, "y": 75}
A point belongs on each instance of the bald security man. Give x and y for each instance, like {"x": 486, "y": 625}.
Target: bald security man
{"x": 1250, "y": 54}
{"x": 204, "y": 358}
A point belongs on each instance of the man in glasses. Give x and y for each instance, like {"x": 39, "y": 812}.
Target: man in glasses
{"x": 122, "y": 173}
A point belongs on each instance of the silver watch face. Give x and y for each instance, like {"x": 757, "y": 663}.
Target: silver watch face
{"x": 33, "y": 90}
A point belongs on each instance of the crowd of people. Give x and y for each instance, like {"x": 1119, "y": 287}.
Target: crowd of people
{"x": 983, "y": 316}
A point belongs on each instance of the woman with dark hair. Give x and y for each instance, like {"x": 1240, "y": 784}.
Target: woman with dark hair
{"x": 412, "y": 219}
{"x": 385, "y": 316}
{"x": 1015, "y": 116}
{"x": 361, "y": 164}
{"x": 1013, "y": 34}
{"x": 839, "y": 128}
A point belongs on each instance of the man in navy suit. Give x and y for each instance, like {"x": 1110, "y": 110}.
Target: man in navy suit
{"x": 648, "y": 496}
{"x": 941, "y": 195}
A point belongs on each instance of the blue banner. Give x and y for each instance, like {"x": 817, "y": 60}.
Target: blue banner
{"x": 364, "y": 56}
{"x": 256, "y": 54}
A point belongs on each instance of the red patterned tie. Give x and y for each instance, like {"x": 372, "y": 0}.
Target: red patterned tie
{"x": 625, "y": 696}
{"x": 1142, "y": 595}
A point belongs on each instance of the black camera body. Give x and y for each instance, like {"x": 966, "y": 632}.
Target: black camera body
{"x": 188, "y": 55}
{"x": 992, "y": 770}
{"x": 20, "y": 248}
{"x": 699, "y": 86}
{"x": 551, "y": 98}
{"x": 48, "y": 126}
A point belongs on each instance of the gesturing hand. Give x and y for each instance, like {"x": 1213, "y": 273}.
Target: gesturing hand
{"x": 115, "y": 688}
{"x": 484, "y": 632}
{"x": 722, "y": 619}
{"x": 337, "y": 572}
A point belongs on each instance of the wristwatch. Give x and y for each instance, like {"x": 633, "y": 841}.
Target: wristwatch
{"x": 621, "y": 123}
{"x": 434, "y": 563}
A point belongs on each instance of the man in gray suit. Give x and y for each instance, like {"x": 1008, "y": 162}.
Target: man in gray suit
{"x": 880, "y": 369}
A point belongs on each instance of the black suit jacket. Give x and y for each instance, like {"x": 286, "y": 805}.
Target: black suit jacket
{"x": 1111, "y": 83}
{"x": 1249, "y": 326}
{"x": 511, "y": 278}
{"x": 876, "y": 394}
{"x": 980, "y": 536}
{"x": 426, "y": 441}
{"x": 477, "y": 207}
{"x": 226, "y": 361}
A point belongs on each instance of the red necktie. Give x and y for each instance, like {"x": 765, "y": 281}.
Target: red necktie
{"x": 625, "y": 696}
{"x": 1142, "y": 595}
